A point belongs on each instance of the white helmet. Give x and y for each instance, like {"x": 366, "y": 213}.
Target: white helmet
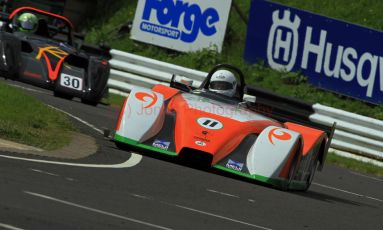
{"x": 223, "y": 82}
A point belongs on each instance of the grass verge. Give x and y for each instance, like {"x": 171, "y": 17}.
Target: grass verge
{"x": 113, "y": 99}
{"x": 26, "y": 120}
{"x": 354, "y": 165}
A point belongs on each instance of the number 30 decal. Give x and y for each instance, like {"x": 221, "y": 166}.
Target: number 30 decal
{"x": 71, "y": 82}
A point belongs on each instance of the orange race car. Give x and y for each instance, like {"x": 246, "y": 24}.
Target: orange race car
{"x": 213, "y": 125}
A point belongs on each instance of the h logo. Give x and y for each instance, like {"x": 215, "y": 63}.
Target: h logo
{"x": 284, "y": 37}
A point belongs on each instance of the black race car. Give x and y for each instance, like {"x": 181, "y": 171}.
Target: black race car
{"x": 53, "y": 57}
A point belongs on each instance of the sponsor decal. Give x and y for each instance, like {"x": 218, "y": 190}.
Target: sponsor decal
{"x": 279, "y": 134}
{"x": 203, "y": 139}
{"x": 237, "y": 166}
{"x": 172, "y": 15}
{"x": 293, "y": 40}
{"x": 183, "y": 25}
{"x": 200, "y": 143}
{"x": 164, "y": 145}
{"x": 149, "y": 98}
{"x": 289, "y": 45}
{"x": 54, "y": 57}
{"x": 71, "y": 82}
{"x": 210, "y": 123}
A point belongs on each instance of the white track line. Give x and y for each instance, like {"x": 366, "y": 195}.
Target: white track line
{"x": 132, "y": 161}
{"x": 369, "y": 177}
{"x": 43, "y": 172}
{"x": 222, "y": 193}
{"x": 348, "y": 192}
{"x": 30, "y": 89}
{"x": 78, "y": 119}
{"x": 69, "y": 114}
{"x": 10, "y": 227}
{"x": 95, "y": 210}
{"x": 220, "y": 217}
{"x": 141, "y": 196}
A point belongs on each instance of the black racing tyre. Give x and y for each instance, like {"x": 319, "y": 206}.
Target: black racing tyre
{"x": 313, "y": 168}
{"x": 10, "y": 60}
{"x": 89, "y": 102}
{"x": 309, "y": 180}
{"x": 62, "y": 95}
{"x": 293, "y": 169}
{"x": 292, "y": 172}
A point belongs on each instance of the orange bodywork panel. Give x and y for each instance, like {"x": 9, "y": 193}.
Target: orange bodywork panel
{"x": 310, "y": 136}
{"x": 218, "y": 142}
{"x": 166, "y": 91}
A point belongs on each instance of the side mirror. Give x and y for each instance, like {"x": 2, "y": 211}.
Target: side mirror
{"x": 249, "y": 98}
{"x": 186, "y": 81}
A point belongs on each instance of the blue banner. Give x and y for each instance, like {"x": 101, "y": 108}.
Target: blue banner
{"x": 335, "y": 55}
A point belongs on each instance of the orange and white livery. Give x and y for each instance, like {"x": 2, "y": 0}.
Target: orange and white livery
{"x": 215, "y": 131}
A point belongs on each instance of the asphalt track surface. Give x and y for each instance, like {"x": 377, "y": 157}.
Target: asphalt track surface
{"x": 157, "y": 193}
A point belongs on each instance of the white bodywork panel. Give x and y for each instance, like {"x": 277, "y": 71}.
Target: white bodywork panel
{"x": 143, "y": 115}
{"x": 222, "y": 109}
{"x": 270, "y": 152}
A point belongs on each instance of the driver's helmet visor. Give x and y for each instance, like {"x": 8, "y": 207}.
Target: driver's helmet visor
{"x": 221, "y": 85}
{"x": 28, "y": 25}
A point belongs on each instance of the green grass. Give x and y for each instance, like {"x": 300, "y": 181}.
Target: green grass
{"x": 25, "y": 120}
{"x": 114, "y": 99}
{"x": 354, "y": 165}
{"x": 364, "y": 12}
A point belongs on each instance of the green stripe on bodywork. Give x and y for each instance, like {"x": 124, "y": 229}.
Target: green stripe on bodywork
{"x": 264, "y": 179}
{"x": 142, "y": 146}
{"x": 295, "y": 185}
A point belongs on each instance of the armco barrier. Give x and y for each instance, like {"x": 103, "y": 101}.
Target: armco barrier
{"x": 354, "y": 133}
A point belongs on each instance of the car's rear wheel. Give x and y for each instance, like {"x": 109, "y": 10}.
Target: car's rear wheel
{"x": 62, "y": 95}
{"x": 292, "y": 172}
{"x": 313, "y": 169}
{"x": 311, "y": 176}
{"x": 9, "y": 60}
{"x": 89, "y": 102}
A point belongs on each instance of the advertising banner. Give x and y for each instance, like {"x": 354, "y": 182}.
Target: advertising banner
{"x": 335, "y": 55}
{"x": 183, "y": 25}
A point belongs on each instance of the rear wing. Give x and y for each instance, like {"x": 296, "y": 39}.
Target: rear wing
{"x": 284, "y": 108}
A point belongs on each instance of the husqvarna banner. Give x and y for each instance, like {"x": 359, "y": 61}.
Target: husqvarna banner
{"x": 183, "y": 25}
{"x": 335, "y": 55}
